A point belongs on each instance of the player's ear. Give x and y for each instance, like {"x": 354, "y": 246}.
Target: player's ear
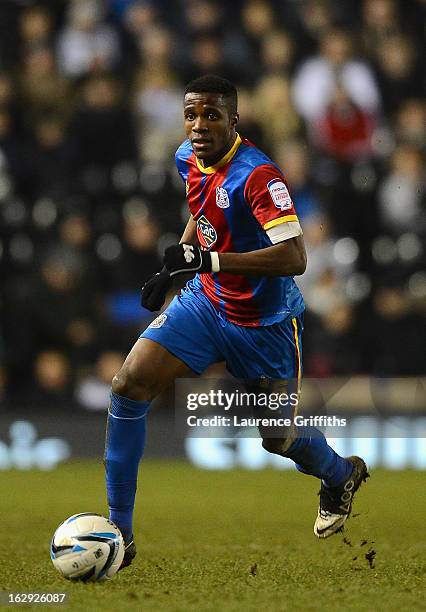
{"x": 235, "y": 117}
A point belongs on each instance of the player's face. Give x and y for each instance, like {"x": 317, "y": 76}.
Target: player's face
{"x": 209, "y": 125}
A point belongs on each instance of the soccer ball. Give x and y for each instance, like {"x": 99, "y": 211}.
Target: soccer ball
{"x": 87, "y": 547}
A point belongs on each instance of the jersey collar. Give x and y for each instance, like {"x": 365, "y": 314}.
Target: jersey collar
{"x": 225, "y": 159}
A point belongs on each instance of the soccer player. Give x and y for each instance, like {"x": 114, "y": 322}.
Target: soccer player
{"x": 244, "y": 242}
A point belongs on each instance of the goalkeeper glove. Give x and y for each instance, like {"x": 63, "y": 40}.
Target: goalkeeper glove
{"x": 155, "y": 290}
{"x": 185, "y": 258}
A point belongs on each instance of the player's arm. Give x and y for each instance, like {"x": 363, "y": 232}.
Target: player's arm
{"x": 190, "y": 232}
{"x": 287, "y": 258}
{"x": 155, "y": 290}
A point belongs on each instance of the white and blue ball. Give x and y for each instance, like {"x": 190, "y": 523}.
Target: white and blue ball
{"x": 87, "y": 547}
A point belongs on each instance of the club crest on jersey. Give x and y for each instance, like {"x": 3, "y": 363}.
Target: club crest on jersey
{"x": 279, "y": 194}
{"x": 206, "y": 233}
{"x": 222, "y": 198}
{"x": 159, "y": 321}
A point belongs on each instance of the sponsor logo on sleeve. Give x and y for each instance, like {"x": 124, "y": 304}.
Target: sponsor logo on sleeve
{"x": 279, "y": 194}
{"x": 206, "y": 233}
{"x": 222, "y": 198}
{"x": 159, "y": 321}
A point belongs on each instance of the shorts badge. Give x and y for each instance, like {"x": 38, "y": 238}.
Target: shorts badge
{"x": 159, "y": 321}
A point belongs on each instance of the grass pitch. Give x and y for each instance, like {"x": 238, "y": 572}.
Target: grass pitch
{"x": 229, "y": 541}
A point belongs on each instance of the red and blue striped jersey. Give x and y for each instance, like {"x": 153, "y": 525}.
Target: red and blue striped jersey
{"x": 241, "y": 204}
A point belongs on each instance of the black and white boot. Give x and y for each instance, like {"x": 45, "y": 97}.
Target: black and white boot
{"x": 129, "y": 553}
{"x": 336, "y": 502}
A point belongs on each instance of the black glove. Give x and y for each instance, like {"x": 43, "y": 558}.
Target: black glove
{"x": 185, "y": 258}
{"x": 155, "y": 290}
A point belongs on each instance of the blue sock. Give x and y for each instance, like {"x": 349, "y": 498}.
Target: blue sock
{"x": 124, "y": 446}
{"x": 314, "y": 456}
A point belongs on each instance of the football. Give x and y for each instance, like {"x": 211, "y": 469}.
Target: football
{"x": 87, "y": 547}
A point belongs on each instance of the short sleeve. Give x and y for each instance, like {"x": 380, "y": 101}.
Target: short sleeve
{"x": 267, "y": 194}
{"x": 181, "y": 158}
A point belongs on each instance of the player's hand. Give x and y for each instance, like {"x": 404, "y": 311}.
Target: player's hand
{"x": 185, "y": 258}
{"x": 155, "y": 290}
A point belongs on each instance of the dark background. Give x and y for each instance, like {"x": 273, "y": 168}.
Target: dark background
{"x": 90, "y": 117}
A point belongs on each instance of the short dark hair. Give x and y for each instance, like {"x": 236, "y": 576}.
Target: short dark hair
{"x": 211, "y": 83}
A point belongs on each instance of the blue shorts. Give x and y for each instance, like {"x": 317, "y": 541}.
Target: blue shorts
{"x": 199, "y": 335}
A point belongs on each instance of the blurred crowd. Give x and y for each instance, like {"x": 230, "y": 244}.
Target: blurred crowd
{"x": 90, "y": 117}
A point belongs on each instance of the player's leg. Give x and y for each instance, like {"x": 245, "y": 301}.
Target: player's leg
{"x": 148, "y": 369}
{"x": 279, "y": 357}
{"x": 177, "y": 344}
{"x": 340, "y": 476}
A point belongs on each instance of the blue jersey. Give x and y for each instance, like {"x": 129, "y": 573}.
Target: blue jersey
{"x": 241, "y": 204}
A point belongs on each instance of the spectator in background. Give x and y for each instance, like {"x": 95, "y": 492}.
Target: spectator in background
{"x": 35, "y": 28}
{"x": 257, "y": 18}
{"x": 122, "y": 279}
{"x": 75, "y": 232}
{"x": 65, "y": 288}
{"x": 10, "y": 149}
{"x": 10, "y": 100}
{"x": 248, "y": 125}
{"x": 401, "y": 195}
{"x": 207, "y": 56}
{"x": 138, "y": 15}
{"x": 323, "y": 283}
{"x": 157, "y": 98}
{"x": 410, "y": 123}
{"x": 380, "y": 19}
{"x": 93, "y": 389}
{"x": 120, "y": 8}
{"x": 214, "y": 44}
{"x": 344, "y": 130}
{"x": 334, "y": 346}
{"x": 138, "y": 19}
{"x": 398, "y": 73}
{"x": 316, "y": 80}
{"x": 274, "y": 110}
{"x": 277, "y": 53}
{"x": 7, "y": 91}
{"x": 49, "y": 162}
{"x": 155, "y": 47}
{"x": 393, "y": 340}
{"x": 101, "y": 134}
{"x": 87, "y": 44}
{"x": 315, "y": 19}
{"x": 139, "y": 258}
{"x": 42, "y": 88}
{"x": 52, "y": 380}
{"x": 159, "y": 132}
{"x": 244, "y": 44}
{"x": 202, "y": 17}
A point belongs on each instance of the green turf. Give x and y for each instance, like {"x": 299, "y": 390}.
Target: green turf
{"x": 228, "y": 541}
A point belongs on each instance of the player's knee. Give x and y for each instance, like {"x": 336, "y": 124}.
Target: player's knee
{"x": 278, "y": 446}
{"x": 274, "y": 445}
{"x": 127, "y": 384}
